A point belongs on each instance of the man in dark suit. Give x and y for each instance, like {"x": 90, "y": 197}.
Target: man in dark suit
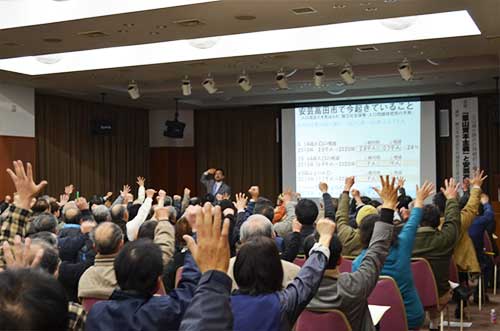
{"x": 213, "y": 181}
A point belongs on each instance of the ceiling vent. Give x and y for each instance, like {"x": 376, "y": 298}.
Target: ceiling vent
{"x": 189, "y": 23}
{"x": 304, "y": 11}
{"x": 93, "y": 34}
{"x": 366, "y": 49}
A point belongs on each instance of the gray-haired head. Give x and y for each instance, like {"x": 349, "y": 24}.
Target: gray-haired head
{"x": 172, "y": 214}
{"x": 44, "y": 222}
{"x": 256, "y": 226}
{"x": 107, "y": 238}
{"x": 119, "y": 213}
{"x": 101, "y": 214}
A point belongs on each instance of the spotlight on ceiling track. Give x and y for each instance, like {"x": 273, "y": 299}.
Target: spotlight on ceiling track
{"x": 347, "y": 74}
{"x": 209, "y": 85}
{"x": 405, "y": 70}
{"x": 133, "y": 90}
{"x": 244, "y": 82}
{"x": 281, "y": 80}
{"x": 319, "y": 74}
{"x": 186, "y": 87}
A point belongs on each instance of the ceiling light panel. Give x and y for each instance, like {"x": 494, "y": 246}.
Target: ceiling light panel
{"x": 19, "y": 13}
{"x": 368, "y": 32}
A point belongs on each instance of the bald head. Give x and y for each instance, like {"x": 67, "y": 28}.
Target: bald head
{"x": 72, "y": 216}
{"x": 108, "y": 238}
{"x": 256, "y": 226}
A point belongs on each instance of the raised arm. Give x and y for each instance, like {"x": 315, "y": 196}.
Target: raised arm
{"x": 142, "y": 214}
{"x": 301, "y": 290}
{"x": 165, "y": 238}
{"x": 141, "y": 193}
{"x": 121, "y": 198}
{"x": 451, "y": 226}
{"x": 327, "y": 201}
{"x": 285, "y": 226}
{"x": 469, "y": 212}
{"x": 408, "y": 233}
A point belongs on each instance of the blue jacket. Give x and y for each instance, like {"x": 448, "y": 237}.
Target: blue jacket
{"x": 479, "y": 226}
{"x": 131, "y": 311}
{"x": 279, "y": 310}
{"x": 398, "y": 266}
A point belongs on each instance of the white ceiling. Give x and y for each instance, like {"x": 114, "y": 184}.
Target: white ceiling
{"x": 465, "y": 63}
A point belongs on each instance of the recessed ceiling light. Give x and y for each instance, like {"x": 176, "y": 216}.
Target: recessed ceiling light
{"x": 371, "y": 9}
{"x": 390, "y": 1}
{"x": 128, "y": 25}
{"x": 365, "y": 32}
{"x": 162, "y": 26}
{"x": 122, "y": 31}
{"x": 19, "y": 13}
{"x": 339, "y": 6}
{"x": 52, "y": 40}
{"x": 189, "y": 23}
{"x": 154, "y": 33}
{"x": 304, "y": 10}
{"x": 245, "y": 17}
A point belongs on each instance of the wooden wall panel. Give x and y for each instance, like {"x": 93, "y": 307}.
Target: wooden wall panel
{"x": 14, "y": 148}
{"x": 173, "y": 169}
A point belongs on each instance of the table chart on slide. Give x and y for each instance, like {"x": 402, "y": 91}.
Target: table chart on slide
{"x": 363, "y": 140}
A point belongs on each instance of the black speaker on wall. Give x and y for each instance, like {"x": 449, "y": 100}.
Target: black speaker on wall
{"x": 101, "y": 127}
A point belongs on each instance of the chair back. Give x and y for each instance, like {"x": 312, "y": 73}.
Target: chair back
{"x": 345, "y": 264}
{"x": 299, "y": 261}
{"x": 322, "y": 320}
{"x": 453, "y": 271}
{"x": 425, "y": 283}
{"x": 87, "y": 303}
{"x": 488, "y": 247}
{"x": 178, "y": 275}
{"x": 387, "y": 293}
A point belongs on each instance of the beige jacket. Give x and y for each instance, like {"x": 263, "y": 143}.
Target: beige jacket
{"x": 98, "y": 281}
{"x": 290, "y": 271}
{"x": 465, "y": 254}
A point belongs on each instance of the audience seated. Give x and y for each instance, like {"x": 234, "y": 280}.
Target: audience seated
{"x": 348, "y": 292}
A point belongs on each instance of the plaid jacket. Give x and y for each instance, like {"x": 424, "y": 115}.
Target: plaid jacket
{"x": 16, "y": 223}
{"x": 77, "y": 317}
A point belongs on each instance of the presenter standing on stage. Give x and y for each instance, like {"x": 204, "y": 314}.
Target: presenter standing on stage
{"x": 213, "y": 181}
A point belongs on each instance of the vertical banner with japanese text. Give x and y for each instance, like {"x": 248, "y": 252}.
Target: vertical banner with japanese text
{"x": 465, "y": 133}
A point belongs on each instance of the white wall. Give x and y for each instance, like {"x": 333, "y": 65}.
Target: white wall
{"x": 157, "y": 120}
{"x": 17, "y": 111}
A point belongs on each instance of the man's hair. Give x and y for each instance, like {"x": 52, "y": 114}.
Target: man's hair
{"x": 261, "y": 202}
{"x": 95, "y": 200}
{"x": 101, "y": 214}
{"x": 43, "y": 222}
{"x": 40, "y": 206}
{"x": 306, "y": 211}
{"x": 118, "y": 212}
{"x": 256, "y": 226}
{"x": 335, "y": 249}
{"x": 138, "y": 266}
{"x": 133, "y": 210}
{"x": 50, "y": 258}
{"x": 32, "y": 300}
{"x": 49, "y": 237}
{"x": 172, "y": 214}
{"x": 72, "y": 216}
{"x": 221, "y": 170}
{"x": 265, "y": 210}
{"x": 147, "y": 230}
{"x": 54, "y": 206}
{"x": 107, "y": 238}
{"x": 430, "y": 216}
{"x": 440, "y": 201}
{"x": 258, "y": 269}
{"x": 375, "y": 203}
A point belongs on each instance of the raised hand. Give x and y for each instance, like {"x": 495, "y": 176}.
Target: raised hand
{"x": 211, "y": 171}
{"x": 125, "y": 191}
{"x": 63, "y": 199}
{"x": 323, "y": 187}
{"x": 388, "y": 193}
{"x": 478, "y": 178}
{"x": 401, "y": 181}
{"x": 69, "y": 189}
{"x": 211, "y": 251}
{"x": 450, "y": 189}
{"x": 109, "y": 195}
{"x": 187, "y": 191}
{"x": 423, "y": 193}
{"x": 26, "y": 188}
{"x": 177, "y": 197}
{"x": 241, "y": 202}
{"x": 19, "y": 256}
{"x": 355, "y": 194}
{"x": 254, "y": 192}
{"x": 141, "y": 181}
{"x": 150, "y": 193}
{"x": 225, "y": 196}
{"x": 8, "y": 199}
{"x": 326, "y": 229}
{"x": 349, "y": 182}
